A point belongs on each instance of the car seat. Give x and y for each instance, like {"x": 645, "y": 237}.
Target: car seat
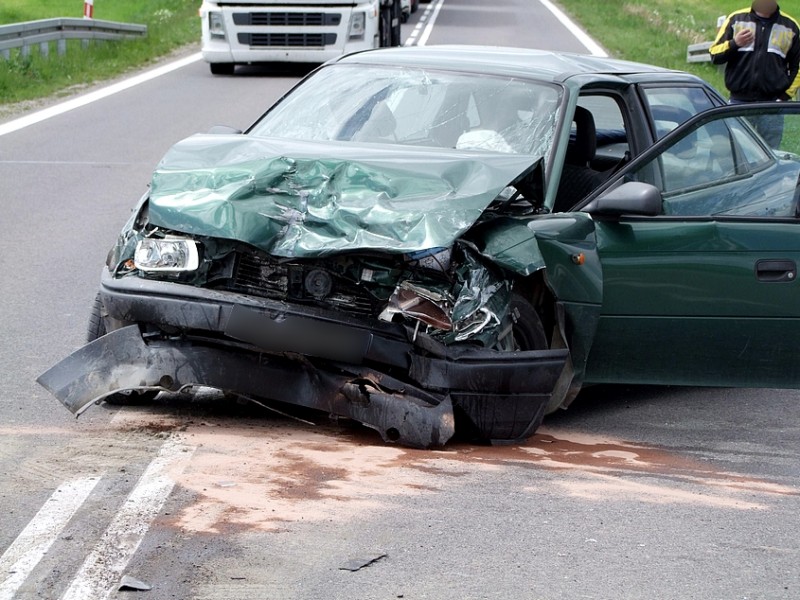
{"x": 578, "y": 178}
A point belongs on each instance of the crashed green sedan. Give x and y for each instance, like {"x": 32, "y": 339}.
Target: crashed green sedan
{"x": 458, "y": 239}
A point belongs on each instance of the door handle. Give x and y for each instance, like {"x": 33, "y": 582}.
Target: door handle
{"x": 776, "y": 271}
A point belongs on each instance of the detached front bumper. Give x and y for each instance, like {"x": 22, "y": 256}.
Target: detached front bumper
{"x": 412, "y": 393}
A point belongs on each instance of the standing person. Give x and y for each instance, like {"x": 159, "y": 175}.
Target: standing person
{"x": 760, "y": 48}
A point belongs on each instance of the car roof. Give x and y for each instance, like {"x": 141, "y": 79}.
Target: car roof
{"x": 517, "y": 62}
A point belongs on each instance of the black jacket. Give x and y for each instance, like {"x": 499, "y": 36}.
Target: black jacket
{"x": 766, "y": 70}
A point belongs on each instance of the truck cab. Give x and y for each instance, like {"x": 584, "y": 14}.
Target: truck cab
{"x": 307, "y": 31}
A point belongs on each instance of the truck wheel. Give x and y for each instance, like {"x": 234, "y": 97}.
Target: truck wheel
{"x": 386, "y": 27}
{"x": 221, "y": 68}
{"x": 96, "y": 329}
{"x": 397, "y": 19}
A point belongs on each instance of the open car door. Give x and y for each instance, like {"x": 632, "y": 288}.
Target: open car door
{"x": 699, "y": 240}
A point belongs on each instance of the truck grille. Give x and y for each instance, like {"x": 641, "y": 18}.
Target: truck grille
{"x": 287, "y": 19}
{"x": 262, "y": 276}
{"x": 287, "y": 40}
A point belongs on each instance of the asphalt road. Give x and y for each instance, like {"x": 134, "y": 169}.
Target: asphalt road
{"x": 632, "y": 493}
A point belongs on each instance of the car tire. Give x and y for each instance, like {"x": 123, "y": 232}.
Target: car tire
{"x": 527, "y": 332}
{"x": 97, "y": 329}
{"x": 507, "y": 420}
{"x": 222, "y": 68}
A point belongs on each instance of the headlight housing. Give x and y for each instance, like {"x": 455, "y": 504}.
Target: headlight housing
{"x": 171, "y": 254}
{"x": 216, "y": 24}
{"x": 358, "y": 25}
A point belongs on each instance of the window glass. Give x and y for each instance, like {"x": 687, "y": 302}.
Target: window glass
{"x": 411, "y": 106}
{"x": 671, "y": 106}
{"x": 612, "y": 137}
{"x": 723, "y": 169}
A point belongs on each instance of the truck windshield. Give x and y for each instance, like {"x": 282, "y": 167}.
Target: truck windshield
{"x": 388, "y": 105}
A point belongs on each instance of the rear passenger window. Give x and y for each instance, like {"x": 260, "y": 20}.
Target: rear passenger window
{"x": 672, "y": 106}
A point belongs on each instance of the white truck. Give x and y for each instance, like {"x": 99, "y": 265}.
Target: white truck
{"x": 311, "y": 31}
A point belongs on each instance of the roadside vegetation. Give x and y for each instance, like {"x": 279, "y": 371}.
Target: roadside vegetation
{"x": 655, "y": 31}
{"x": 650, "y": 31}
{"x": 171, "y": 24}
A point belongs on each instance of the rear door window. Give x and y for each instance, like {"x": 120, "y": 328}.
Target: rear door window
{"x": 672, "y": 106}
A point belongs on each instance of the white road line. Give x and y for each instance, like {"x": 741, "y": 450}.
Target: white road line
{"x": 593, "y": 47}
{"x": 104, "y": 566}
{"x": 32, "y": 544}
{"x": 436, "y": 9}
{"x": 80, "y": 101}
{"x": 412, "y": 39}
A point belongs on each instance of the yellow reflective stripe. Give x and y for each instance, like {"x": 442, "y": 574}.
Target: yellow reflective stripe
{"x": 792, "y": 91}
{"x": 720, "y": 47}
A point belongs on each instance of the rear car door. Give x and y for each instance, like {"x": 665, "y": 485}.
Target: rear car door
{"x": 706, "y": 292}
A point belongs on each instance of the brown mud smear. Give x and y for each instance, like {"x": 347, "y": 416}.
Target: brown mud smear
{"x": 253, "y": 474}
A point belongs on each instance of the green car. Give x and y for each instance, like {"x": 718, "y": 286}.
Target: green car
{"x": 458, "y": 239}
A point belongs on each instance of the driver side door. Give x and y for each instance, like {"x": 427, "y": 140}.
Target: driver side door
{"x": 706, "y": 292}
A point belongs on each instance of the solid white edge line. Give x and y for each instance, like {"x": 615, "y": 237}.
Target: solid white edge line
{"x": 80, "y": 101}
{"x": 104, "y": 566}
{"x": 593, "y": 47}
{"x": 25, "y": 552}
{"x": 423, "y": 39}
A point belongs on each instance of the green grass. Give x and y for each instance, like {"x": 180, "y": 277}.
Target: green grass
{"x": 655, "y": 31}
{"x": 171, "y": 24}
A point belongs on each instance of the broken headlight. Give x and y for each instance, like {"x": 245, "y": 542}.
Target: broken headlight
{"x": 169, "y": 254}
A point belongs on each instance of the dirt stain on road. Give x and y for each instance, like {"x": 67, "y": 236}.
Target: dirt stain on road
{"x": 265, "y": 475}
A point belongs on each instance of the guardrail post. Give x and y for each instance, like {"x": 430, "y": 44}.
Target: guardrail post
{"x": 61, "y": 46}
{"x": 25, "y": 51}
{"x": 5, "y": 54}
{"x": 44, "y": 49}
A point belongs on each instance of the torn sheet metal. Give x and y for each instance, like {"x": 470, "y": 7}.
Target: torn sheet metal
{"x": 471, "y": 308}
{"x": 306, "y": 199}
{"x": 121, "y": 360}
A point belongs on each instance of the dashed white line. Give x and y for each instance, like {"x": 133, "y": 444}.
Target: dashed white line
{"x": 104, "y": 566}
{"x": 80, "y": 101}
{"x": 584, "y": 38}
{"x": 32, "y": 544}
{"x": 426, "y": 34}
{"x": 422, "y": 31}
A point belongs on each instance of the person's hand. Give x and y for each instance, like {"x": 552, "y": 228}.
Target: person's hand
{"x": 743, "y": 38}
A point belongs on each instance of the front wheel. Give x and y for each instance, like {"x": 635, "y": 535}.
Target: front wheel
{"x": 221, "y": 68}
{"x": 97, "y": 328}
{"x": 523, "y": 330}
{"x": 512, "y": 418}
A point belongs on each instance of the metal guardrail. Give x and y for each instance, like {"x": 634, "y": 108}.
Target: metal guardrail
{"x": 42, "y": 32}
{"x": 697, "y": 53}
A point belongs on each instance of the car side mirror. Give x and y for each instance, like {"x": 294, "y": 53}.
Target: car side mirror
{"x": 630, "y": 199}
{"x": 224, "y": 130}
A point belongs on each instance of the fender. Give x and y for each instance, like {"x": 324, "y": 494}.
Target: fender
{"x": 563, "y": 247}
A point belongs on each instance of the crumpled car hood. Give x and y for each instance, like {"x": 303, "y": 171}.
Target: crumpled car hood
{"x": 307, "y": 199}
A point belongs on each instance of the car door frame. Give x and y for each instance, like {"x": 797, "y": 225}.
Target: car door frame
{"x": 718, "y": 350}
